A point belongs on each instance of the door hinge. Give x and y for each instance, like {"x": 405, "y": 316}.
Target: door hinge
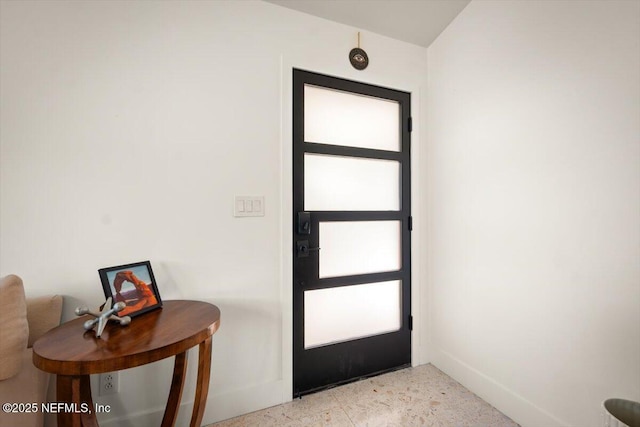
{"x": 410, "y": 124}
{"x": 410, "y": 322}
{"x": 410, "y": 223}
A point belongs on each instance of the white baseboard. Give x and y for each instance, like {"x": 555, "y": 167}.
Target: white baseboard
{"x": 502, "y": 398}
{"x": 228, "y": 405}
{"x": 219, "y": 407}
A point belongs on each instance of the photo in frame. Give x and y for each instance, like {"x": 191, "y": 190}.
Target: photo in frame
{"x": 133, "y": 284}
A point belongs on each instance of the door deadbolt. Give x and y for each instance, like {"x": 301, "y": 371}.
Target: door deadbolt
{"x": 303, "y": 249}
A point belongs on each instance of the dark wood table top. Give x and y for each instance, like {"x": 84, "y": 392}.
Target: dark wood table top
{"x": 172, "y": 329}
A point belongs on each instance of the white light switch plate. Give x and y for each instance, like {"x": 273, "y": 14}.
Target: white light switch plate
{"x": 248, "y": 206}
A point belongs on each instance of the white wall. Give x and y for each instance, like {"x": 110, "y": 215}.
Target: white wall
{"x": 126, "y": 130}
{"x": 533, "y": 183}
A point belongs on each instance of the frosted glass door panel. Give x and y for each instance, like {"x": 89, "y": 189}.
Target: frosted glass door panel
{"x": 335, "y": 183}
{"x": 345, "y": 313}
{"x": 340, "y": 118}
{"x": 359, "y": 247}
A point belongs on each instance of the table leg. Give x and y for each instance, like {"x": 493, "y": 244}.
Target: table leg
{"x": 68, "y": 391}
{"x": 88, "y": 418}
{"x": 202, "y": 387}
{"x": 75, "y": 390}
{"x": 175, "y": 393}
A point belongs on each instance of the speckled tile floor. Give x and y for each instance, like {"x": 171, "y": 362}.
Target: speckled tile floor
{"x": 422, "y": 396}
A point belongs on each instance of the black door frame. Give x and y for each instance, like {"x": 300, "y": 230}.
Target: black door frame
{"x": 382, "y": 352}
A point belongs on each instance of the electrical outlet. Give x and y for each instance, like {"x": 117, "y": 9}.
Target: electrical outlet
{"x": 109, "y": 383}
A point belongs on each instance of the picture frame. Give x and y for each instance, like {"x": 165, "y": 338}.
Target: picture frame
{"x": 134, "y": 284}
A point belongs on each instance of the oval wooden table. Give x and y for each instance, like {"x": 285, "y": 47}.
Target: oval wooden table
{"x": 73, "y": 354}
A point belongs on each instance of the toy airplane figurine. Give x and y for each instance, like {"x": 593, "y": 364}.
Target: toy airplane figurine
{"x": 101, "y": 319}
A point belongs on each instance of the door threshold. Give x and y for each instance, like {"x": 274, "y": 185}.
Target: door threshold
{"x": 298, "y": 395}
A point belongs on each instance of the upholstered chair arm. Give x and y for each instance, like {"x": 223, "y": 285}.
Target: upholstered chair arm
{"x": 43, "y": 314}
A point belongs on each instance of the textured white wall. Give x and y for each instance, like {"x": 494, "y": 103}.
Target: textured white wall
{"x": 126, "y": 130}
{"x": 533, "y": 176}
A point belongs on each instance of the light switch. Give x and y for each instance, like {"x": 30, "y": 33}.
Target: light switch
{"x": 248, "y": 206}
